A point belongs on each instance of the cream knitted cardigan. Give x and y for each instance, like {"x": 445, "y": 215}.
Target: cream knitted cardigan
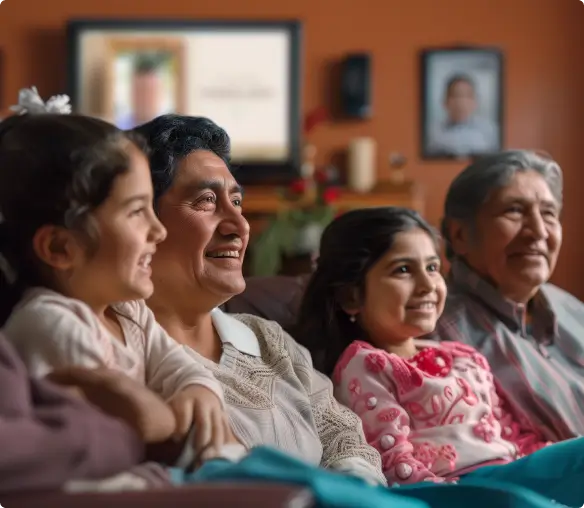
{"x": 278, "y": 399}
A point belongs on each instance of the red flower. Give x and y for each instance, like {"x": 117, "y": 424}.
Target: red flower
{"x": 298, "y": 186}
{"x": 433, "y": 361}
{"x": 331, "y": 195}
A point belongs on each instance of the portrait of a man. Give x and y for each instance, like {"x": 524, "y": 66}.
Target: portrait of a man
{"x": 462, "y": 107}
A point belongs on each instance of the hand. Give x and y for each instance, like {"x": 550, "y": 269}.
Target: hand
{"x": 197, "y": 405}
{"x": 121, "y": 397}
{"x": 74, "y": 392}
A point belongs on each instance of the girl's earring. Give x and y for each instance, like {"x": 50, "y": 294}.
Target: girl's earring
{"x": 352, "y": 318}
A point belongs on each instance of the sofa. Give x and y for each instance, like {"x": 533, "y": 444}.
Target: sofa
{"x": 275, "y": 298}
{"x": 201, "y": 496}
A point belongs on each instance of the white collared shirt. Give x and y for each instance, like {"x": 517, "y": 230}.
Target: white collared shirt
{"x": 234, "y": 332}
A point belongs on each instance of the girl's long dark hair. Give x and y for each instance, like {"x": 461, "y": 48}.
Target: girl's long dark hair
{"x": 349, "y": 247}
{"x": 54, "y": 169}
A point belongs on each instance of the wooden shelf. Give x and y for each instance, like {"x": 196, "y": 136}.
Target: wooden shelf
{"x": 265, "y": 200}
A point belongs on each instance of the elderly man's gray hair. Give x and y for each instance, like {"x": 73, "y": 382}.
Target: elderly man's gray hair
{"x": 473, "y": 186}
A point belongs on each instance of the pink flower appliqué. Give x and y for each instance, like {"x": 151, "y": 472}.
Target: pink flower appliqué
{"x": 354, "y": 387}
{"x": 448, "y": 453}
{"x": 345, "y": 359}
{"x": 485, "y": 428}
{"x": 426, "y": 454}
{"x": 467, "y": 393}
{"x": 481, "y": 361}
{"x": 406, "y": 375}
{"x": 388, "y": 415}
{"x": 375, "y": 362}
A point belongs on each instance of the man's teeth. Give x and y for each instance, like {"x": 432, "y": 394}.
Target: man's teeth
{"x": 145, "y": 261}
{"x": 223, "y": 254}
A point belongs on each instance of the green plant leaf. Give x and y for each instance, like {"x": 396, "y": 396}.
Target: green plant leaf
{"x": 267, "y": 251}
{"x": 282, "y": 235}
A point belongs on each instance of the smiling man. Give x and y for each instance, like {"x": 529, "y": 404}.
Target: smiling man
{"x": 503, "y": 236}
{"x": 274, "y": 396}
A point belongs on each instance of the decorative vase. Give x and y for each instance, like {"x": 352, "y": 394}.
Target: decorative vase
{"x": 308, "y": 162}
{"x": 397, "y": 163}
{"x": 307, "y": 240}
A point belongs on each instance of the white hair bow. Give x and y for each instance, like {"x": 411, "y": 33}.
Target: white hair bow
{"x": 30, "y": 102}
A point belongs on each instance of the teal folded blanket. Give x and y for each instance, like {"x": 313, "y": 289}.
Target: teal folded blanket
{"x": 336, "y": 490}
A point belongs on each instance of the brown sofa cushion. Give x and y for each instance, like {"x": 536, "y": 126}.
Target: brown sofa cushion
{"x": 275, "y": 298}
{"x": 200, "y": 496}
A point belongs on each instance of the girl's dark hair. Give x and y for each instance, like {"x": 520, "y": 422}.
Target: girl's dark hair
{"x": 54, "y": 169}
{"x": 172, "y": 137}
{"x": 349, "y": 247}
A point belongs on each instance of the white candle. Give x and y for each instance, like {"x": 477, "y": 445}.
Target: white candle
{"x": 361, "y": 164}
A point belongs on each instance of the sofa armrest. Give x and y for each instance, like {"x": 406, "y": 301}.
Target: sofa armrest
{"x": 197, "y": 496}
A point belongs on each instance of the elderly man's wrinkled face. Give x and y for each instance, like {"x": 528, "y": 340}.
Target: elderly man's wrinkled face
{"x": 207, "y": 234}
{"x": 517, "y": 238}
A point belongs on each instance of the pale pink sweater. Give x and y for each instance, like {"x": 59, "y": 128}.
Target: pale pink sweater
{"x": 437, "y": 415}
{"x": 52, "y": 331}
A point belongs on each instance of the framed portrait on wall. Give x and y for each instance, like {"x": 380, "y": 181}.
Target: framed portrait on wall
{"x": 245, "y": 76}
{"x": 462, "y": 102}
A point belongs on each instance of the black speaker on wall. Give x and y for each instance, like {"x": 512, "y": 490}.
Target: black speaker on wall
{"x": 356, "y": 86}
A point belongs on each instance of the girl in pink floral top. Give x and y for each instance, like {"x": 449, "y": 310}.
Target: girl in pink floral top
{"x": 433, "y": 410}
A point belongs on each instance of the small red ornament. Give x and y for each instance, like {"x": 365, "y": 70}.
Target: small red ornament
{"x": 298, "y": 186}
{"x": 331, "y": 195}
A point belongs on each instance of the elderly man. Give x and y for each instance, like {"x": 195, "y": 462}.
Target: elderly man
{"x": 503, "y": 235}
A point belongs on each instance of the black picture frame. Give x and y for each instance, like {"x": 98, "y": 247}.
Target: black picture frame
{"x": 249, "y": 170}
{"x": 470, "y": 70}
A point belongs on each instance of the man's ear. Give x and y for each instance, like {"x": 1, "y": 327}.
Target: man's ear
{"x": 57, "y": 247}
{"x": 459, "y": 236}
{"x": 349, "y": 300}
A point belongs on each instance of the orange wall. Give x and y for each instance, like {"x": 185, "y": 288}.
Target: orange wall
{"x": 544, "y": 78}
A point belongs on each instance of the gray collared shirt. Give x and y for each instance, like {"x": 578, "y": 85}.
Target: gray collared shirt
{"x": 475, "y": 136}
{"x": 539, "y": 365}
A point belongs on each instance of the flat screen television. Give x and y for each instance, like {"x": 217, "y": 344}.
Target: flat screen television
{"x": 243, "y": 75}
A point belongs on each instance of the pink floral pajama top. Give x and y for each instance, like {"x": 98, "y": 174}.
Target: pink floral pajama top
{"x": 435, "y": 416}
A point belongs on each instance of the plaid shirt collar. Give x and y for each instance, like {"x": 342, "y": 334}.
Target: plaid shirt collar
{"x": 544, "y": 325}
